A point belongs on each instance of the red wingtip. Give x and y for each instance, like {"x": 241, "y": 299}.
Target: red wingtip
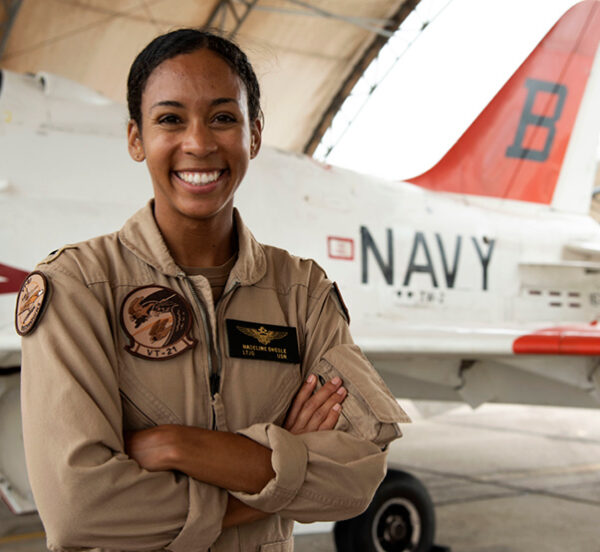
{"x": 515, "y": 148}
{"x": 565, "y": 340}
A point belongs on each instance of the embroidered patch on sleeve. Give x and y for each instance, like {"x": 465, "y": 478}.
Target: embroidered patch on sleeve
{"x": 158, "y": 322}
{"x": 31, "y": 302}
{"x": 259, "y": 341}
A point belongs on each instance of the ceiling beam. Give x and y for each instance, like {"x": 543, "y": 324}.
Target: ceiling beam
{"x": 10, "y": 9}
{"x": 224, "y": 8}
{"x": 359, "y": 22}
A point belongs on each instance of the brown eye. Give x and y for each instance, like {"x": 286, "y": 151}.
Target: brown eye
{"x": 224, "y": 118}
{"x": 169, "y": 119}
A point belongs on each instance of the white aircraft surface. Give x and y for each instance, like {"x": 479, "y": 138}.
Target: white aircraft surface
{"x": 478, "y": 280}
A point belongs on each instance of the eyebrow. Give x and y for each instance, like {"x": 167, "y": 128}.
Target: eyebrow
{"x": 174, "y": 103}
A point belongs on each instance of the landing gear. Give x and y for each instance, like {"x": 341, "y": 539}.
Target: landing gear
{"x": 400, "y": 518}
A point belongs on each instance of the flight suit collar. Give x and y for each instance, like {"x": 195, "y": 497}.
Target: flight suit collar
{"x": 142, "y": 237}
{"x": 251, "y": 265}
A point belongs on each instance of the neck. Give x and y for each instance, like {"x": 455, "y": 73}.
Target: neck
{"x": 199, "y": 243}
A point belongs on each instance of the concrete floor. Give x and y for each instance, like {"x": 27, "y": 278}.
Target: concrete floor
{"x": 503, "y": 479}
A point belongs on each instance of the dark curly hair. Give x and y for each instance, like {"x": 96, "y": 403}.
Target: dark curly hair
{"x": 185, "y": 41}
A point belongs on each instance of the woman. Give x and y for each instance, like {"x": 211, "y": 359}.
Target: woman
{"x": 163, "y": 396}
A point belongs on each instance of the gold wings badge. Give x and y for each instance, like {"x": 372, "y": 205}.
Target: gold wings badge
{"x": 262, "y": 335}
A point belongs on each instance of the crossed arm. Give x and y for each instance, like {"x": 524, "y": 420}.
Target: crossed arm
{"x": 235, "y": 462}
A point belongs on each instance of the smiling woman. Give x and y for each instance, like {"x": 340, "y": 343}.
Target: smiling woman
{"x": 196, "y": 136}
{"x": 190, "y": 379}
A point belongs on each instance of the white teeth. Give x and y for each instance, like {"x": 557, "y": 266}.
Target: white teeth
{"x": 199, "y": 178}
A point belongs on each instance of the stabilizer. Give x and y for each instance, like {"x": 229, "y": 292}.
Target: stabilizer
{"x": 518, "y": 147}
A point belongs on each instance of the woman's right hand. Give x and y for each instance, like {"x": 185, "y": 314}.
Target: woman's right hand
{"x": 316, "y": 411}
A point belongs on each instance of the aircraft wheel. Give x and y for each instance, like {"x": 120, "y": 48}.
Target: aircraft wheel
{"x": 400, "y": 518}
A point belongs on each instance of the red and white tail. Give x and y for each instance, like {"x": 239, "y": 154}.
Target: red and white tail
{"x": 536, "y": 140}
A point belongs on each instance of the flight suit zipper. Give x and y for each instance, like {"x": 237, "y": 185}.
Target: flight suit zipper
{"x": 213, "y": 377}
{"x": 214, "y": 372}
{"x": 218, "y": 306}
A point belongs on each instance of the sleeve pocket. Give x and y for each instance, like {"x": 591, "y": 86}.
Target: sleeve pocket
{"x": 369, "y": 411}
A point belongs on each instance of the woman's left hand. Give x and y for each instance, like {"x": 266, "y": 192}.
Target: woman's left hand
{"x": 316, "y": 411}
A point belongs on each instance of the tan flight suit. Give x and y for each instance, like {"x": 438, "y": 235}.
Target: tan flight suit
{"x": 85, "y": 380}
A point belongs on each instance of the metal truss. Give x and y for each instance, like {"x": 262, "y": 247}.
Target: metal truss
{"x": 8, "y": 14}
{"x": 236, "y": 11}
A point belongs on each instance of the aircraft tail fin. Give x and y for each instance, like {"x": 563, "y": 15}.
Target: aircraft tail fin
{"x": 536, "y": 140}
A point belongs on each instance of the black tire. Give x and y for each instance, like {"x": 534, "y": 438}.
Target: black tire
{"x": 400, "y": 518}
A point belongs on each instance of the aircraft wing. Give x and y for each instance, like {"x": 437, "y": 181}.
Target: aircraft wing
{"x": 545, "y": 366}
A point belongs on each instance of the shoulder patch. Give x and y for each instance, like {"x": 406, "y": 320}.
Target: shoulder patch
{"x": 31, "y": 302}
{"x": 158, "y": 322}
{"x": 340, "y": 302}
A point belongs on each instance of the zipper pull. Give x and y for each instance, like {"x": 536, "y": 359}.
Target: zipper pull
{"x": 215, "y": 383}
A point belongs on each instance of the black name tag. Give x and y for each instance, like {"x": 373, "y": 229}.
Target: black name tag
{"x": 262, "y": 341}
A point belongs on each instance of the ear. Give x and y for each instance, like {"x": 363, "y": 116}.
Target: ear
{"x": 255, "y": 137}
{"x": 134, "y": 141}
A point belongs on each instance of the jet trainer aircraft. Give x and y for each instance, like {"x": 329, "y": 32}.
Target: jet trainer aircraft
{"x": 477, "y": 280}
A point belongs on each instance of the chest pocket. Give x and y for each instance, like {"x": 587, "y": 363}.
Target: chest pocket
{"x": 263, "y": 372}
{"x": 142, "y": 409}
{"x": 156, "y": 364}
{"x": 259, "y": 391}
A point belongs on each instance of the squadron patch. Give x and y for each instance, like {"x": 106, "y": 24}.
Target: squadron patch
{"x": 158, "y": 322}
{"x": 262, "y": 341}
{"x": 30, "y": 302}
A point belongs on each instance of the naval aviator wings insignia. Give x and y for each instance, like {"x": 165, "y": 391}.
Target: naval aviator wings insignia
{"x": 262, "y": 335}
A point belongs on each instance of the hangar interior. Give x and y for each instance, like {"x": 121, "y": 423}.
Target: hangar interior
{"x": 308, "y": 55}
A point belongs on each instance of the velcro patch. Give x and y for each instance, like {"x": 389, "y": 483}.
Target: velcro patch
{"x": 258, "y": 341}
{"x": 158, "y": 322}
{"x": 31, "y": 302}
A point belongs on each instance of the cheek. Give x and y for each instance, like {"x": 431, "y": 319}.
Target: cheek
{"x": 157, "y": 151}
{"x": 242, "y": 150}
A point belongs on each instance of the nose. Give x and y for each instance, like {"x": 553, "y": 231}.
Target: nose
{"x": 199, "y": 140}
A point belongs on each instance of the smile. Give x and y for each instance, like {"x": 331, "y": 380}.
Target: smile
{"x": 199, "y": 178}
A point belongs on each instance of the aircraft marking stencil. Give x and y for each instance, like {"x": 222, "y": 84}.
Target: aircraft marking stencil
{"x": 475, "y": 281}
{"x": 383, "y": 257}
{"x": 420, "y": 248}
{"x": 533, "y": 119}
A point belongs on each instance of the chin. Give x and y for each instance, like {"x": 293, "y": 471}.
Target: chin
{"x": 202, "y": 212}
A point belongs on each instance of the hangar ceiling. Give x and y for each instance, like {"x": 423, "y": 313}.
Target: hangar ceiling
{"x": 307, "y": 53}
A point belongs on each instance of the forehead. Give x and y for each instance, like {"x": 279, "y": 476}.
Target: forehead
{"x": 199, "y": 75}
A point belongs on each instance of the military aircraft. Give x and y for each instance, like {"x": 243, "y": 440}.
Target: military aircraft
{"x": 475, "y": 281}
